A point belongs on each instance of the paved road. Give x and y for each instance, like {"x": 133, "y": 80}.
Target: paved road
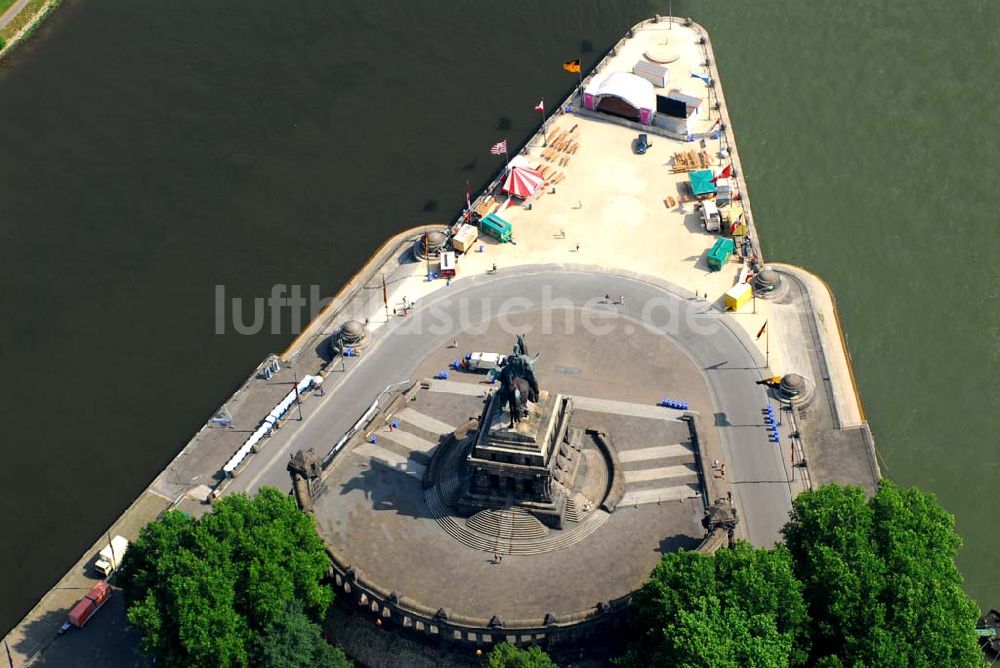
{"x": 11, "y": 12}
{"x": 729, "y": 361}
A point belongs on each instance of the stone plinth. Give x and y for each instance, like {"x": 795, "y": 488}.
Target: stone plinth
{"x": 512, "y": 467}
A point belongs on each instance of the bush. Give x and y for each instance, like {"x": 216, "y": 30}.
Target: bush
{"x": 506, "y": 655}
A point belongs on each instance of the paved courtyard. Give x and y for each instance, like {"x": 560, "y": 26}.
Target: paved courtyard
{"x": 376, "y": 512}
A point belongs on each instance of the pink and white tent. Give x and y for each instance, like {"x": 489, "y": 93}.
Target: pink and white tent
{"x": 523, "y": 181}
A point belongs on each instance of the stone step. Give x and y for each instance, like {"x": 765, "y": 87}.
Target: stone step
{"x": 456, "y": 387}
{"x": 659, "y": 473}
{"x": 392, "y": 460}
{"x": 408, "y": 440}
{"x": 555, "y": 541}
{"x": 643, "y": 496}
{"x": 596, "y": 484}
{"x": 655, "y": 452}
{"x": 691, "y": 479}
{"x": 426, "y": 422}
{"x": 625, "y": 408}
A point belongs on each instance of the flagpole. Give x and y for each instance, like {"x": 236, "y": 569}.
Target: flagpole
{"x": 385, "y": 299}
{"x": 767, "y": 346}
{"x": 545, "y": 139}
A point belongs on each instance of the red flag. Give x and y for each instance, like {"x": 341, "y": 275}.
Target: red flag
{"x": 499, "y": 147}
{"x": 718, "y": 123}
{"x": 724, "y": 174}
{"x": 762, "y": 330}
{"x": 540, "y": 106}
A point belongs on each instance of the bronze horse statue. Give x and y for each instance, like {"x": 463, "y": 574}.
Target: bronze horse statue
{"x": 517, "y": 400}
{"x": 518, "y": 384}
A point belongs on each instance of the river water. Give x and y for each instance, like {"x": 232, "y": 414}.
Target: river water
{"x": 151, "y": 151}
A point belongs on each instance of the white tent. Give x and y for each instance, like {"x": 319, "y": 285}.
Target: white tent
{"x": 633, "y": 90}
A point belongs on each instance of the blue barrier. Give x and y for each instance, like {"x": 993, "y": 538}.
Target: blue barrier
{"x": 671, "y": 403}
{"x": 441, "y": 375}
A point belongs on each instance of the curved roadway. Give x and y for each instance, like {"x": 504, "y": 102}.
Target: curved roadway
{"x": 729, "y": 360}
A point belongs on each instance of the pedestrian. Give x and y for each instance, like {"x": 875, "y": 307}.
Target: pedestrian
{"x": 454, "y": 344}
{"x": 499, "y": 558}
{"x": 562, "y": 232}
{"x": 494, "y": 267}
{"x": 448, "y": 282}
{"x": 607, "y": 297}
{"x": 578, "y": 248}
{"x": 722, "y": 470}
{"x": 394, "y": 425}
{"x": 621, "y": 299}
{"x": 730, "y": 496}
{"x": 715, "y": 464}
{"x": 481, "y": 248}
{"x": 393, "y": 311}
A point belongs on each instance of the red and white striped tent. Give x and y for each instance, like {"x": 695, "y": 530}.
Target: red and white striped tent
{"x": 522, "y": 181}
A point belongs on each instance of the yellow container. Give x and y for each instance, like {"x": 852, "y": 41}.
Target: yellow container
{"x": 738, "y": 295}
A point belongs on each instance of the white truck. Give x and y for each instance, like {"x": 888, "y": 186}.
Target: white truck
{"x": 710, "y": 216}
{"x": 110, "y": 558}
{"x": 483, "y": 361}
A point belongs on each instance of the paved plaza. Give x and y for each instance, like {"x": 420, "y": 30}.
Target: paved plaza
{"x": 381, "y": 519}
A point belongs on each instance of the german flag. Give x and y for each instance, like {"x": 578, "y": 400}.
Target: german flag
{"x": 572, "y": 66}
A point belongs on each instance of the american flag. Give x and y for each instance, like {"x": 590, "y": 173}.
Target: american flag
{"x": 499, "y": 147}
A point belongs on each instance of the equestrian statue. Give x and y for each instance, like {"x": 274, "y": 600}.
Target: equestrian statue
{"x": 518, "y": 384}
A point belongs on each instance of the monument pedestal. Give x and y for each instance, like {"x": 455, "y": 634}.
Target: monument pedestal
{"x": 513, "y": 467}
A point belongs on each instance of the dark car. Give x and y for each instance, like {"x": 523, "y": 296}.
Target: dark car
{"x": 642, "y": 144}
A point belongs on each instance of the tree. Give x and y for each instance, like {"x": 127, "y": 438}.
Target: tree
{"x": 506, "y": 655}
{"x": 880, "y": 578}
{"x": 200, "y": 590}
{"x": 295, "y": 641}
{"x": 740, "y": 607}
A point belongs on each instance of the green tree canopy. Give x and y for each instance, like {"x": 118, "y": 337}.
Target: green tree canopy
{"x": 505, "y": 655}
{"x": 201, "y": 590}
{"x": 880, "y": 578}
{"x": 295, "y": 641}
{"x": 742, "y": 607}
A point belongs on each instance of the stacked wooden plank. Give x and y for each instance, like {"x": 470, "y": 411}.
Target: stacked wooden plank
{"x": 561, "y": 145}
{"x": 686, "y": 161}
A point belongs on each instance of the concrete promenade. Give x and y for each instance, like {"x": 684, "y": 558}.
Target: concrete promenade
{"x": 601, "y": 226}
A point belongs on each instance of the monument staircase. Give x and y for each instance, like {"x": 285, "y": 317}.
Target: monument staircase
{"x": 517, "y": 537}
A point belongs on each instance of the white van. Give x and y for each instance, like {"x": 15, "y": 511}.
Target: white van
{"x": 483, "y": 361}
{"x": 710, "y": 216}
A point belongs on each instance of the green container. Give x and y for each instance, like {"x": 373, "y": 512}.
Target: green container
{"x": 496, "y": 227}
{"x": 718, "y": 256}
